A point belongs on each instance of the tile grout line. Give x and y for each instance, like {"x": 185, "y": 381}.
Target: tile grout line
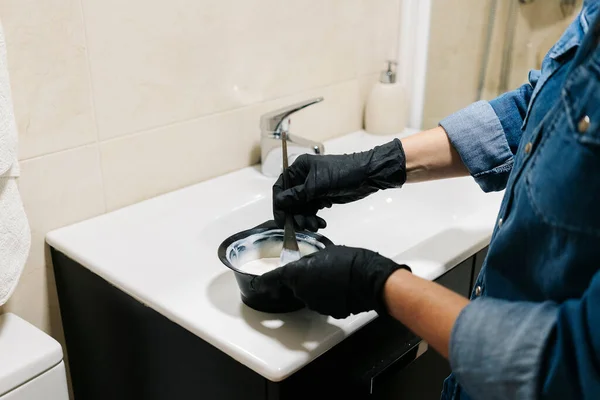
{"x": 39, "y": 156}
{"x": 222, "y": 112}
{"x": 93, "y": 103}
{"x": 139, "y": 132}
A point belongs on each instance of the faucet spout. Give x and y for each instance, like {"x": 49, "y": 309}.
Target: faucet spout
{"x": 270, "y": 139}
{"x": 271, "y": 121}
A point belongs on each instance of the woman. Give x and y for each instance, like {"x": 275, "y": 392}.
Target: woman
{"x": 532, "y": 327}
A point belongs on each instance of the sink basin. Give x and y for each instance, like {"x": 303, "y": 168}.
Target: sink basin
{"x": 389, "y": 222}
{"x": 162, "y": 252}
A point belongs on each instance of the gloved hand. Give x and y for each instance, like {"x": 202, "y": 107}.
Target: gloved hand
{"x": 317, "y": 182}
{"x": 336, "y": 281}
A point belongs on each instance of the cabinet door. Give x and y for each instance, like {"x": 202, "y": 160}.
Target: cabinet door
{"x": 424, "y": 377}
{"x": 459, "y": 278}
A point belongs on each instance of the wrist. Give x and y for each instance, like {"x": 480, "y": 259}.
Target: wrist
{"x": 391, "y": 282}
{"x": 390, "y": 273}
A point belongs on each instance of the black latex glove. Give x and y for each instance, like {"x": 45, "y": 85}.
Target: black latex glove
{"x": 317, "y": 182}
{"x": 336, "y": 281}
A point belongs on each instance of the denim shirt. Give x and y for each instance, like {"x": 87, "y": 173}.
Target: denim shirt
{"x": 532, "y": 329}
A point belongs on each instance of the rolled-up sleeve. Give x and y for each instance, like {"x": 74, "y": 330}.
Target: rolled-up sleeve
{"x": 486, "y": 135}
{"x": 519, "y": 350}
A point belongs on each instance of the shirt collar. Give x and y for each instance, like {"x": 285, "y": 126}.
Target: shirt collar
{"x": 589, "y": 12}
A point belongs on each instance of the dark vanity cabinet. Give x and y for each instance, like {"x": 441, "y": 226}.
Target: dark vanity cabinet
{"x": 120, "y": 349}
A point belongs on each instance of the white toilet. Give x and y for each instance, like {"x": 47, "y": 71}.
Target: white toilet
{"x": 31, "y": 363}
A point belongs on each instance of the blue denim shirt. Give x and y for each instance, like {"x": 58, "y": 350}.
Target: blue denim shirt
{"x": 534, "y": 331}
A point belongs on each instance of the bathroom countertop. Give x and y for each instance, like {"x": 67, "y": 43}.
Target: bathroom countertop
{"x": 163, "y": 252}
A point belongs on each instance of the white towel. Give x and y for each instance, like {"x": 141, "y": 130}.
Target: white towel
{"x": 15, "y": 237}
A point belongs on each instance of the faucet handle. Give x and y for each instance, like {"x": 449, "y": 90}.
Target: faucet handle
{"x": 271, "y": 121}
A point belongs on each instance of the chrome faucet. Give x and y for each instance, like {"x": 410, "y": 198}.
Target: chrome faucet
{"x": 271, "y": 126}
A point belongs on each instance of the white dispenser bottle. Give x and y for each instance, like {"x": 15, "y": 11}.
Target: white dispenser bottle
{"x": 386, "y": 111}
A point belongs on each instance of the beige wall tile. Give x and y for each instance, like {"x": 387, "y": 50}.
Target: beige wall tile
{"x": 182, "y": 154}
{"x": 457, "y": 42}
{"x": 175, "y": 156}
{"x": 49, "y": 74}
{"x": 366, "y": 83}
{"x": 183, "y": 59}
{"x": 539, "y": 26}
{"x": 31, "y": 300}
{"x": 378, "y": 37}
{"x": 56, "y": 190}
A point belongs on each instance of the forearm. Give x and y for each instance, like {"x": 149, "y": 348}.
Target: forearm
{"x": 430, "y": 155}
{"x": 426, "y": 308}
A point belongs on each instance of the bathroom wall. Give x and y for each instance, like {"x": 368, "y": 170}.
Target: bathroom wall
{"x": 118, "y": 101}
{"x": 457, "y": 42}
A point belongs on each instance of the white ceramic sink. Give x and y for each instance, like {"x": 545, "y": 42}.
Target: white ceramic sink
{"x": 163, "y": 252}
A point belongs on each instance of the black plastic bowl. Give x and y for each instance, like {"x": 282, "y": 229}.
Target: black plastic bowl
{"x": 231, "y": 253}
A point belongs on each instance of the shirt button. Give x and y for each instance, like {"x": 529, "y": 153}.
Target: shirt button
{"x": 478, "y": 291}
{"x": 584, "y": 124}
{"x": 500, "y": 222}
{"x": 528, "y": 147}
